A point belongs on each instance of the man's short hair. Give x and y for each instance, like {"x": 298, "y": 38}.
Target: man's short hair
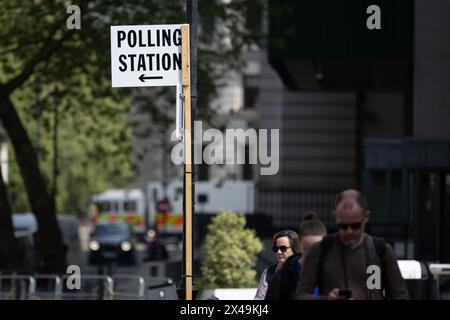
{"x": 359, "y": 198}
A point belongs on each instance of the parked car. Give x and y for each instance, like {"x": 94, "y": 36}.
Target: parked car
{"x": 25, "y": 228}
{"x": 69, "y": 226}
{"x": 112, "y": 242}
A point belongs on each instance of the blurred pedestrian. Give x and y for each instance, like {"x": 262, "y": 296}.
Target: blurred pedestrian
{"x": 284, "y": 244}
{"x": 284, "y": 282}
{"x": 339, "y": 264}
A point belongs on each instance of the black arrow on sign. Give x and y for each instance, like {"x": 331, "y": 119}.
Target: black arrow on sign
{"x": 143, "y": 77}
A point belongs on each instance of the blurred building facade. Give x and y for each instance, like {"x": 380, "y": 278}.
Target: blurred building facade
{"x": 363, "y": 108}
{"x": 153, "y": 142}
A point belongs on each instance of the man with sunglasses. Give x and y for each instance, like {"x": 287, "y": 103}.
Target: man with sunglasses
{"x": 339, "y": 264}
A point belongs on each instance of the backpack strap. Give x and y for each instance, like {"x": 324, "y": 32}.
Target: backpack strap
{"x": 380, "y": 248}
{"x": 325, "y": 246}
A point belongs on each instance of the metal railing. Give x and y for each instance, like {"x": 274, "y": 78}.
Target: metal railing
{"x": 17, "y": 287}
{"x": 92, "y": 287}
{"x": 286, "y": 205}
{"x": 48, "y": 287}
{"x": 129, "y": 287}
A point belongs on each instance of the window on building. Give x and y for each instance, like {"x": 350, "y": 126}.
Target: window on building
{"x": 251, "y": 92}
{"x": 202, "y": 169}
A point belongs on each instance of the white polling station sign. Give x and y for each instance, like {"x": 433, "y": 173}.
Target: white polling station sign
{"x": 146, "y": 55}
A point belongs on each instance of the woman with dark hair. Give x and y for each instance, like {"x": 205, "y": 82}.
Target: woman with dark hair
{"x": 284, "y": 281}
{"x": 284, "y": 244}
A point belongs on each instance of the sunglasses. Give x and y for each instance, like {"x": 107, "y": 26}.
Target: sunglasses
{"x": 283, "y": 249}
{"x": 353, "y": 226}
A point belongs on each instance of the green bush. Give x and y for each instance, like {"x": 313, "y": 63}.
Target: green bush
{"x": 229, "y": 253}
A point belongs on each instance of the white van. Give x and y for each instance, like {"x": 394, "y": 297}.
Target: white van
{"x": 115, "y": 205}
{"x": 210, "y": 198}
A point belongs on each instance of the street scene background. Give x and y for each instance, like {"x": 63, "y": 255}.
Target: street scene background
{"x": 87, "y": 176}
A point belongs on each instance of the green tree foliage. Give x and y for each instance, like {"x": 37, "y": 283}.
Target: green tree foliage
{"x": 94, "y": 130}
{"x": 44, "y": 63}
{"x": 94, "y": 142}
{"x": 229, "y": 253}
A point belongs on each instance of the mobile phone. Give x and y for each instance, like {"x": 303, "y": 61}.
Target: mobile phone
{"x": 347, "y": 293}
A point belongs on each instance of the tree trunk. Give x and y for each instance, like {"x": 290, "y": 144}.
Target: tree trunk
{"x": 49, "y": 246}
{"x": 9, "y": 258}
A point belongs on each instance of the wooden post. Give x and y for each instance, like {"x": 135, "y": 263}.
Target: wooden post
{"x": 186, "y": 81}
